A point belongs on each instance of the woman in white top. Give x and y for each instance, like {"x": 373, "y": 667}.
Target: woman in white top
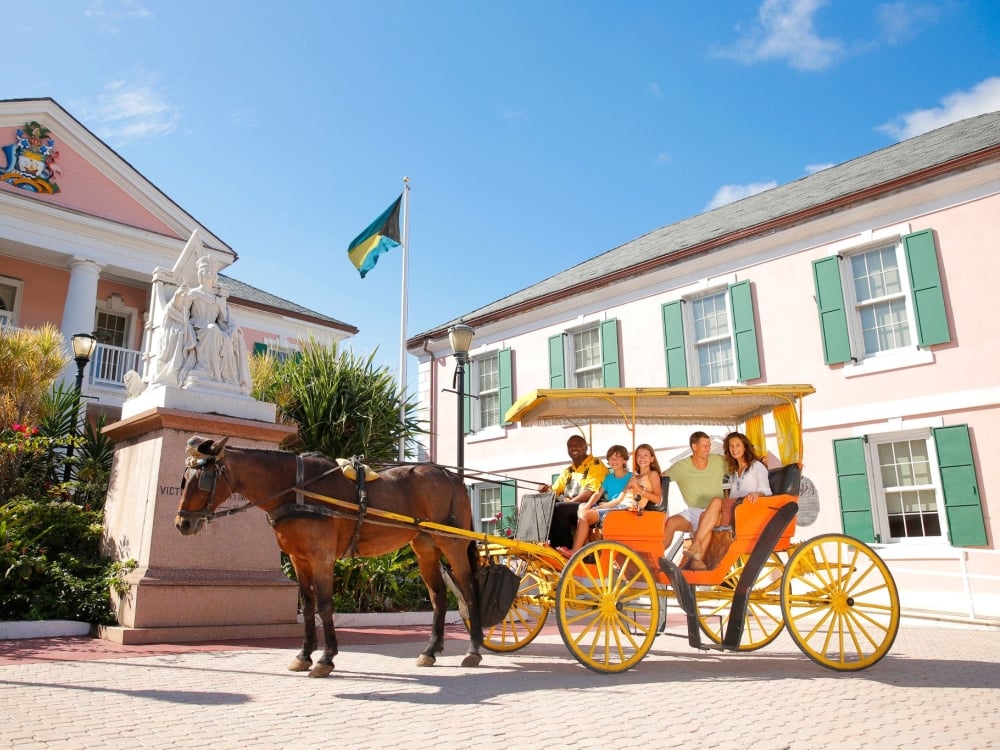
{"x": 748, "y": 481}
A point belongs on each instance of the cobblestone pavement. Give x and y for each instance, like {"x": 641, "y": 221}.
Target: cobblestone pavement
{"x": 938, "y": 688}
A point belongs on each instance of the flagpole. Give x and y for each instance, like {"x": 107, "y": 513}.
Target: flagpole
{"x": 402, "y": 323}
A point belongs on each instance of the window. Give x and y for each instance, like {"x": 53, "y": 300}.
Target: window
{"x": 494, "y": 507}
{"x": 881, "y": 300}
{"x": 585, "y": 357}
{"x": 10, "y": 301}
{"x": 273, "y": 348}
{"x": 488, "y": 385}
{"x": 909, "y": 486}
{"x": 722, "y": 345}
{"x": 111, "y": 328}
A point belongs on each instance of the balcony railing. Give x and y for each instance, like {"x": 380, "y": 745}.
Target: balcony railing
{"x": 110, "y": 363}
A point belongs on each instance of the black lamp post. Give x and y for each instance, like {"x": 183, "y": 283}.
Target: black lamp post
{"x": 460, "y": 337}
{"x": 83, "y": 349}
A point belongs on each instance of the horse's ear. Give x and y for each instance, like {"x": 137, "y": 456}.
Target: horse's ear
{"x": 219, "y": 446}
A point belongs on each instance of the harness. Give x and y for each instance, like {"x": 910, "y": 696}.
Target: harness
{"x": 210, "y": 468}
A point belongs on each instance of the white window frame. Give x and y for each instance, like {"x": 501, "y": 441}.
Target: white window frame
{"x": 484, "y": 521}
{"x": 476, "y": 393}
{"x": 880, "y": 514}
{"x": 573, "y": 373}
{"x": 889, "y": 359}
{"x": 9, "y": 318}
{"x": 693, "y": 344}
{"x": 280, "y": 351}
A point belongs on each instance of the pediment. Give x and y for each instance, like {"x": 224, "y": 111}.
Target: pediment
{"x": 57, "y": 161}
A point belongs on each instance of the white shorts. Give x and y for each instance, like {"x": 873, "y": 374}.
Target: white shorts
{"x": 692, "y": 516}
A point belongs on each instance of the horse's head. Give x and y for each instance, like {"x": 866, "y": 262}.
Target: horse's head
{"x": 200, "y": 491}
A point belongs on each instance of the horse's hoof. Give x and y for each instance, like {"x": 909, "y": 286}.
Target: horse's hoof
{"x": 426, "y": 660}
{"x": 300, "y": 665}
{"x": 321, "y": 670}
{"x": 472, "y": 660}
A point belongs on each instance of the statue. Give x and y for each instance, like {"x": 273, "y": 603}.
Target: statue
{"x": 199, "y": 342}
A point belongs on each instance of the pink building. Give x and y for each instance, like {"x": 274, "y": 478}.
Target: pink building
{"x": 869, "y": 280}
{"x": 81, "y": 233}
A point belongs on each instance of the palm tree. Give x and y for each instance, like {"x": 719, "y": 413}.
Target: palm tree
{"x": 342, "y": 404}
{"x": 30, "y": 361}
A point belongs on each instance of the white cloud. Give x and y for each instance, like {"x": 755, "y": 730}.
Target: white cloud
{"x": 901, "y": 21}
{"x": 730, "y": 193}
{"x": 128, "y": 111}
{"x": 786, "y": 33}
{"x": 663, "y": 158}
{"x": 814, "y": 168}
{"x": 514, "y": 115}
{"x": 110, "y": 14}
{"x": 981, "y": 98}
{"x": 654, "y": 89}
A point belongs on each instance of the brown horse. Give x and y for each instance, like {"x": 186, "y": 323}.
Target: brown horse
{"x": 314, "y": 532}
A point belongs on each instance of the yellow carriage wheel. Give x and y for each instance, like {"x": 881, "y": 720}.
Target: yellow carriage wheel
{"x": 526, "y": 616}
{"x": 840, "y": 602}
{"x": 607, "y": 609}
{"x": 763, "y": 622}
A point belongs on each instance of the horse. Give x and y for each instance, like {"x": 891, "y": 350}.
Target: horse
{"x": 347, "y": 520}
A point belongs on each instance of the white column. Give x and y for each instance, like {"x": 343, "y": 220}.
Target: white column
{"x": 81, "y": 302}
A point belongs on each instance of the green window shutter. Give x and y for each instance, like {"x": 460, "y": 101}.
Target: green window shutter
{"x": 610, "y": 371}
{"x": 852, "y": 488}
{"x": 508, "y": 500}
{"x": 673, "y": 342}
{"x": 832, "y": 311}
{"x": 467, "y": 399}
{"x": 554, "y": 478}
{"x": 962, "y": 504}
{"x": 744, "y": 331}
{"x": 925, "y": 282}
{"x": 506, "y": 382}
{"x": 259, "y": 349}
{"x": 557, "y": 362}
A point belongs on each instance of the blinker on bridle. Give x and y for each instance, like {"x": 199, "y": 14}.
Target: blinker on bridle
{"x": 208, "y": 480}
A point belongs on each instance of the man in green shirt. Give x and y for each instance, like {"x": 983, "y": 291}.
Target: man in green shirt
{"x": 699, "y": 478}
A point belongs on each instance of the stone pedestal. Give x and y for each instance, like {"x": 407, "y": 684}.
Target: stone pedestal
{"x": 222, "y": 583}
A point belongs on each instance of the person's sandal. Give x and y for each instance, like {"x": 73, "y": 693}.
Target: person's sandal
{"x": 697, "y": 565}
{"x": 693, "y": 552}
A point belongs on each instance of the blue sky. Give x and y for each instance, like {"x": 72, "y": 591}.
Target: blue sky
{"x": 536, "y": 134}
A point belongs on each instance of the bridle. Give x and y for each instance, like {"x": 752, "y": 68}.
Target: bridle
{"x": 208, "y": 471}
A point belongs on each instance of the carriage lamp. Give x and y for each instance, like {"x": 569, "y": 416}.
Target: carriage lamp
{"x": 83, "y": 350}
{"x": 460, "y": 338}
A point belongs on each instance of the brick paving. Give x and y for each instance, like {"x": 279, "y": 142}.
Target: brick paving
{"x": 938, "y": 688}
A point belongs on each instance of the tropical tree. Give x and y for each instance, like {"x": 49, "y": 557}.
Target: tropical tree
{"x": 30, "y": 361}
{"x": 342, "y": 404}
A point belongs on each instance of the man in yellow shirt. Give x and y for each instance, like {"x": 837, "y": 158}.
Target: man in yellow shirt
{"x": 575, "y": 485}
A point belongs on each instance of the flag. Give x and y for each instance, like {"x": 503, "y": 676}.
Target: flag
{"x": 381, "y": 236}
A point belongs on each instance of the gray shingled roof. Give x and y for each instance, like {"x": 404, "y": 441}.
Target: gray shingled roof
{"x": 252, "y": 294}
{"x": 893, "y": 162}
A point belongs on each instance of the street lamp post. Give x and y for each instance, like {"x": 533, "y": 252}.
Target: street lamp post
{"x": 460, "y": 337}
{"x": 83, "y": 349}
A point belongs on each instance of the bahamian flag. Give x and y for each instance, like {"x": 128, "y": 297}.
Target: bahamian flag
{"x": 380, "y": 237}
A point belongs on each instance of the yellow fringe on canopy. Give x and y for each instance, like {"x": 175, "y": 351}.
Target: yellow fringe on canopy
{"x": 786, "y": 420}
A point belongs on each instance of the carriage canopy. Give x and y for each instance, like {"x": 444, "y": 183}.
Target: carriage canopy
{"x": 729, "y": 406}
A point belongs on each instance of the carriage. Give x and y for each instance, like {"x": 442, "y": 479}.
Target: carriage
{"x": 832, "y": 593}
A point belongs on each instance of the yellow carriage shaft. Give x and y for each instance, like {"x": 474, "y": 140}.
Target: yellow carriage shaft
{"x": 709, "y": 405}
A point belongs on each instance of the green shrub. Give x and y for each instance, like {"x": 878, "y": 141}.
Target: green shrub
{"x": 50, "y": 563}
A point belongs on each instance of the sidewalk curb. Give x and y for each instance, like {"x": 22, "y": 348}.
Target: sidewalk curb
{"x": 42, "y": 629}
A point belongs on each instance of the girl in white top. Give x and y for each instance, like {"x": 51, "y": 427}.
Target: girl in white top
{"x": 748, "y": 479}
